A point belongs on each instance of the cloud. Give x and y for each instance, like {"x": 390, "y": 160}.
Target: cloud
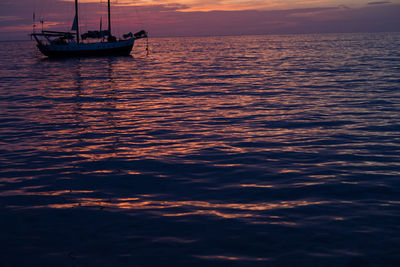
{"x": 379, "y": 3}
{"x": 312, "y": 20}
{"x": 174, "y": 19}
{"x": 9, "y": 18}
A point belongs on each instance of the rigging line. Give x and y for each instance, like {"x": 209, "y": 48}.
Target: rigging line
{"x": 139, "y": 17}
{"x": 118, "y": 13}
{"x": 33, "y": 17}
{"x": 37, "y": 14}
{"x": 147, "y": 45}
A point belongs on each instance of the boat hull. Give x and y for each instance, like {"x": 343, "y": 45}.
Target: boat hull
{"x": 119, "y": 48}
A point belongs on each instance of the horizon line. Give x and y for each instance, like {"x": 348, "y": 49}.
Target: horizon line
{"x": 236, "y": 35}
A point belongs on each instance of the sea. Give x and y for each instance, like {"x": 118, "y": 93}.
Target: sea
{"x": 275, "y": 150}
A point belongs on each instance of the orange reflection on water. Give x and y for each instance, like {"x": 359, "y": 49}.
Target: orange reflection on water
{"x": 109, "y": 124}
{"x": 231, "y": 258}
{"x": 257, "y": 185}
{"x": 25, "y": 192}
{"x": 225, "y": 215}
{"x": 169, "y": 208}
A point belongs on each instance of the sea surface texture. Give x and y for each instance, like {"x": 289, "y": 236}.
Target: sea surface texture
{"x": 214, "y": 151}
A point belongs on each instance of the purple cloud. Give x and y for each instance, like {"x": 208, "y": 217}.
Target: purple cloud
{"x": 168, "y": 20}
{"x": 379, "y": 3}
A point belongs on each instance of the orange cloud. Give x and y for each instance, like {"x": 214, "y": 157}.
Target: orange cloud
{"x": 232, "y": 5}
{"x": 207, "y": 17}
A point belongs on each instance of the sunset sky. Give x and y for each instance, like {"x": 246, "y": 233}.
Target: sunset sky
{"x": 203, "y": 17}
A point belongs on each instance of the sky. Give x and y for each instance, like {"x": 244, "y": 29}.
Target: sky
{"x": 202, "y": 17}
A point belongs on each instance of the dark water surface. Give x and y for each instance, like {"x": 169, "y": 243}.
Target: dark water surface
{"x": 218, "y": 151}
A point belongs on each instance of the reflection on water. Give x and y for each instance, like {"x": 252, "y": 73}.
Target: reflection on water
{"x": 247, "y": 150}
{"x": 223, "y": 210}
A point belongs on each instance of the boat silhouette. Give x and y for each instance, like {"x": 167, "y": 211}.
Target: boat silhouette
{"x": 71, "y": 44}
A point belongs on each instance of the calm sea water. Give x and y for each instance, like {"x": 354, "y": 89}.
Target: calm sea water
{"x": 217, "y": 151}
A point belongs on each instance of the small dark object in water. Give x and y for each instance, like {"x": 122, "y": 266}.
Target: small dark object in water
{"x": 141, "y": 34}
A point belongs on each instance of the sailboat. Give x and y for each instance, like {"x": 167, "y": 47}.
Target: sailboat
{"x": 71, "y": 44}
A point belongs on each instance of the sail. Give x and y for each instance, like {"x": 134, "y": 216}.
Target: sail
{"x": 75, "y": 24}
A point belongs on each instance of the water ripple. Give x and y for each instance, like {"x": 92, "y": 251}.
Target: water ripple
{"x": 248, "y": 150}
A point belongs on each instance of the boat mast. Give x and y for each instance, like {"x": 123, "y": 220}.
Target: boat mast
{"x": 77, "y": 21}
{"x": 109, "y": 19}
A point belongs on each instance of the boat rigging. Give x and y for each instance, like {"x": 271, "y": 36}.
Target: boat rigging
{"x": 72, "y": 44}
